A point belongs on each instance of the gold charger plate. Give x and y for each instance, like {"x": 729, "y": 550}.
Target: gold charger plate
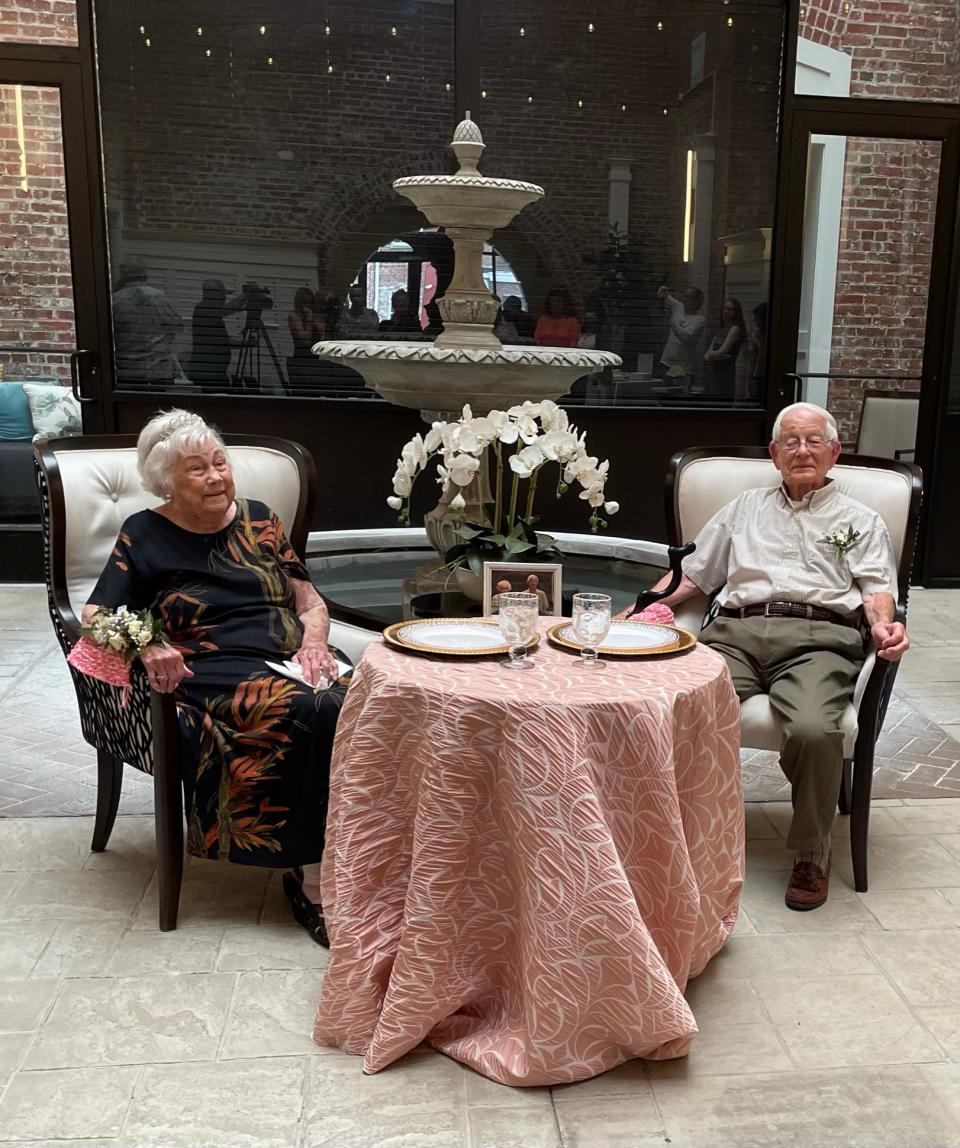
{"x": 454, "y": 632}
{"x": 678, "y": 641}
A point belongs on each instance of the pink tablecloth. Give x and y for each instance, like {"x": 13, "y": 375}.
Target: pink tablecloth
{"x": 525, "y": 868}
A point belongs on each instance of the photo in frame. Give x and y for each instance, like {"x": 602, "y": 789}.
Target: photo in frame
{"x": 497, "y": 576}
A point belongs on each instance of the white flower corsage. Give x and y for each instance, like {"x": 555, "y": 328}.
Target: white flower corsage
{"x": 842, "y": 541}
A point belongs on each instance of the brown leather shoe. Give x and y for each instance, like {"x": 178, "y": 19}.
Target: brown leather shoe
{"x": 808, "y": 886}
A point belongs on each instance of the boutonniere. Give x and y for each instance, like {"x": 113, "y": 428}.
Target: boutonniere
{"x": 842, "y": 541}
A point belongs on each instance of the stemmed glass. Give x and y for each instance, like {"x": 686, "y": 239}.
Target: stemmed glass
{"x": 518, "y": 625}
{"x": 591, "y": 624}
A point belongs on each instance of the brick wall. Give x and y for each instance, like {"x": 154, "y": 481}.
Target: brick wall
{"x": 36, "y": 294}
{"x": 38, "y": 22}
{"x": 902, "y": 50}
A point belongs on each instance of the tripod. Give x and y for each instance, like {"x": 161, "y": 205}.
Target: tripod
{"x": 248, "y": 373}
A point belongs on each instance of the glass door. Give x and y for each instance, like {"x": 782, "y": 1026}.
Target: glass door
{"x": 48, "y": 305}
{"x": 869, "y": 215}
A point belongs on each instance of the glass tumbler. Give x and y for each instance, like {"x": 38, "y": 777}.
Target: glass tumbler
{"x": 591, "y": 624}
{"x": 518, "y": 625}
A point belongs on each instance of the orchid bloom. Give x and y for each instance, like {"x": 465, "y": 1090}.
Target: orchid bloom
{"x": 526, "y": 461}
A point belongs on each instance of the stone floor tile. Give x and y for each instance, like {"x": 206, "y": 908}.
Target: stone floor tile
{"x": 211, "y": 895}
{"x": 134, "y": 1020}
{"x": 743, "y": 926}
{"x": 944, "y": 1079}
{"x": 951, "y": 896}
{"x": 924, "y": 821}
{"x": 20, "y": 946}
{"x": 625, "y": 1121}
{"x": 418, "y": 1102}
{"x": 24, "y": 1003}
{"x": 272, "y": 1015}
{"x": 512, "y": 1128}
{"x": 30, "y": 845}
{"x": 78, "y": 1103}
{"x": 719, "y": 1003}
{"x": 950, "y": 842}
{"x": 763, "y": 898}
{"x": 758, "y": 825}
{"x": 240, "y": 1104}
{"x": 9, "y": 882}
{"x": 12, "y": 1047}
{"x": 720, "y": 1049}
{"x": 631, "y": 1078}
{"x": 923, "y": 965}
{"x": 102, "y": 896}
{"x": 857, "y": 1108}
{"x": 490, "y": 1094}
{"x": 912, "y": 909}
{"x": 805, "y": 955}
{"x": 841, "y": 1021}
{"x": 179, "y": 951}
{"x": 943, "y": 1021}
{"x": 904, "y": 863}
{"x": 249, "y": 948}
{"x": 79, "y": 949}
{"x": 132, "y": 843}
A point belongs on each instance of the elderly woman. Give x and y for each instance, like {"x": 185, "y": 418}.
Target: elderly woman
{"x": 231, "y": 593}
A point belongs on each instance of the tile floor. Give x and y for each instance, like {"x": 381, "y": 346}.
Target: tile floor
{"x": 839, "y": 1027}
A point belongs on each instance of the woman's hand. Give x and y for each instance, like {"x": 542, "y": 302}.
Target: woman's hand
{"x": 165, "y": 667}
{"x": 317, "y": 662}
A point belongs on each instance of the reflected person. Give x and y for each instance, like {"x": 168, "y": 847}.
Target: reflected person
{"x": 683, "y": 351}
{"x": 145, "y": 324}
{"x": 210, "y": 355}
{"x": 720, "y": 358}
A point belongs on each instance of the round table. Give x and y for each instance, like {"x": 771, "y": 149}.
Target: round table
{"x": 523, "y": 868}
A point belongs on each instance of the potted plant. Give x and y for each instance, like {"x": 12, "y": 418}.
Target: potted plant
{"x": 523, "y": 441}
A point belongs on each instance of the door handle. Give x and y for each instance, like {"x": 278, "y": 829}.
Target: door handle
{"x": 76, "y": 371}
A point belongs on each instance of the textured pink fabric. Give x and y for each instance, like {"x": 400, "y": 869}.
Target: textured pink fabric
{"x": 100, "y": 662}
{"x": 656, "y": 612}
{"x": 524, "y": 868}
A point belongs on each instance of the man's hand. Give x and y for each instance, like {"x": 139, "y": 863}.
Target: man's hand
{"x": 165, "y": 667}
{"x": 890, "y": 640}
{"x": 317, "y": 662}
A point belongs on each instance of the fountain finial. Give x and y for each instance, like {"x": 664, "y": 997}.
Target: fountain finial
{"x": 467, "y": 145}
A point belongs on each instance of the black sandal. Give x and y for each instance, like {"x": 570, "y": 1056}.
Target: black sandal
{"x": 305, "y": 912}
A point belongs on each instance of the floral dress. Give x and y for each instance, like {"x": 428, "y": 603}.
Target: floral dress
{"x": 256, "y": 746}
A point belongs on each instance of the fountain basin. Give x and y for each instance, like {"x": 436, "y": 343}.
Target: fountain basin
{"x": 436, "y": 378}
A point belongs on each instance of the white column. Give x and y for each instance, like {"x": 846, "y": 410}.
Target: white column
{"x": 619, "y": 176}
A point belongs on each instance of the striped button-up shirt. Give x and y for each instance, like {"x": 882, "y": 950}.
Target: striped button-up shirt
{"x": 763, "y": 547}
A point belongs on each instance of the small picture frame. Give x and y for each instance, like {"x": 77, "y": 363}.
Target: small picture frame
{"x": 549, "y": 586}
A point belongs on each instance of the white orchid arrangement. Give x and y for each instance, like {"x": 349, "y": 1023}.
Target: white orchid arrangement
{"x": 524, "y": 440}
{"x": 124, "y": 631}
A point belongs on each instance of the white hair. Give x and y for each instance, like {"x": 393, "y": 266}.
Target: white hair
{"x": 166, "y": 437}
{"x": 829, "y": 421}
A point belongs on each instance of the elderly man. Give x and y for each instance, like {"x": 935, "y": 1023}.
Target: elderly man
{"x": 804, "y": 575}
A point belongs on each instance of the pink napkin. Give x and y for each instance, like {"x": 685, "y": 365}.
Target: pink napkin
{"x": 657, "y": 612}
{"x": 108, "y": 665}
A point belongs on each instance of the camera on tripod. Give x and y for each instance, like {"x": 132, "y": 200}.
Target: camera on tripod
{"x": 256, "y": 300}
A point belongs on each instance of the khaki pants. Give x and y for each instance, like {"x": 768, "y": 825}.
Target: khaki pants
{"x": 808, "y": 669}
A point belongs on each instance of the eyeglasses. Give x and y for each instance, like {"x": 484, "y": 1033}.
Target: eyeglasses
{"x": 792, "y": 444}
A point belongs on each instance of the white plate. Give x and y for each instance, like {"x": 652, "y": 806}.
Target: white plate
{"x": 452, "y": 635}
{"x": 626, "y": 638}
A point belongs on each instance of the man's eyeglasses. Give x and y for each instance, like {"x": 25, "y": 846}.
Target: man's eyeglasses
{"x": 792, "y": 444}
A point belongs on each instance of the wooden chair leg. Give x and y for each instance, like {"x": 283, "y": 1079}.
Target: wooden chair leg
{"x": 860, "y": 812}
{"x": 846, "y": 785}
{"x": 109, "y": 784}
{"x": 168, "y": 810}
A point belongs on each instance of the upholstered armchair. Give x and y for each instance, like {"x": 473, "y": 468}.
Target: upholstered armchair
{"x": 88, "y": 487}
{"x": 699, "y": 483}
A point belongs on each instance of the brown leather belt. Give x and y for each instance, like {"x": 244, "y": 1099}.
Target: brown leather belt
{"x": 793, "y": 610}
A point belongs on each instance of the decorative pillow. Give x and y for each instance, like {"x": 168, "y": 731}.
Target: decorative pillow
{"x": 55, "y": 412}
{"x": 15, "y": 422}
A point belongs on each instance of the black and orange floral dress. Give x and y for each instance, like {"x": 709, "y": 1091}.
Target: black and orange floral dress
{"x": 255, "y": 745}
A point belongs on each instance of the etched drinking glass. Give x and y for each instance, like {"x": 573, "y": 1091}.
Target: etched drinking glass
{"x": 591, "y": 624}
{"x": 518, "y": 625}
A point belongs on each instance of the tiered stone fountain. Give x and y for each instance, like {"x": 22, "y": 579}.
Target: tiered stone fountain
{"x": 467, "y": 363}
